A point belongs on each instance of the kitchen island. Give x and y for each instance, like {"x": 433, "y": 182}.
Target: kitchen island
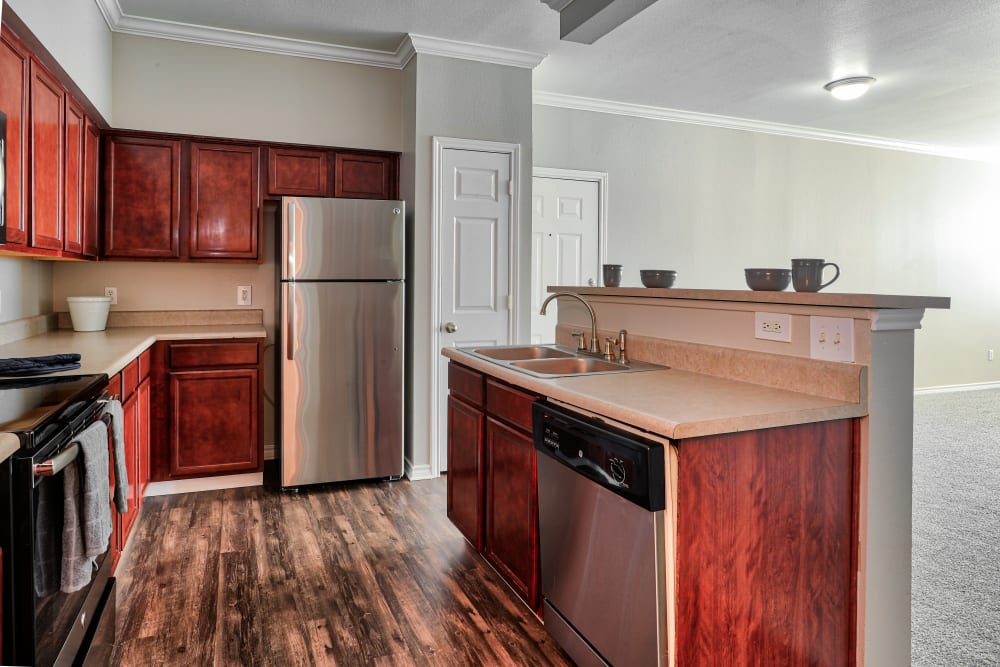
{"x": 839, "y": 489}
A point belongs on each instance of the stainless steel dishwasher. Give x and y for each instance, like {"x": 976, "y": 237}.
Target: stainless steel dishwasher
{"x": 603, "y": 537}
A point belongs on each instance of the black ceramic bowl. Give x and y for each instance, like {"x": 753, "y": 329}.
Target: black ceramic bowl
{"x": 657, "y": 277}
{"x": 768, "y": 280}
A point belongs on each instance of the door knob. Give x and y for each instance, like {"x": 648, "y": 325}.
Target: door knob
{"x": 450, "y": 327}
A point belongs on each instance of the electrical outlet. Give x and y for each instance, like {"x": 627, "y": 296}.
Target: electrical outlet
{"x": 113, "y": 293}
{"x": 831, "y": 338}
{"x": 989, "y": 354}
{"x": 243, "y": 295}
{"x": 773, "y": 326}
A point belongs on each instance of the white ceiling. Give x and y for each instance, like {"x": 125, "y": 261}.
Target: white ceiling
{"x": 757, "y": 63}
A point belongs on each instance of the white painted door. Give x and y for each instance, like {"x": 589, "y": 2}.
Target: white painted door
{"x": 564, "y": 244}
{"x": 474, "y": 237}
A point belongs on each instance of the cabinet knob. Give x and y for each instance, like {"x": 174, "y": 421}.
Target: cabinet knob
{"x": 450, "y": 327}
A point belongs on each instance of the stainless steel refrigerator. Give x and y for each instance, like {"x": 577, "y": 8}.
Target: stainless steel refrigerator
{"x": 341, "y": 343}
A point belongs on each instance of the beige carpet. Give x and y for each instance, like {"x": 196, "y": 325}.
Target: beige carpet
{"x": 956, "y": 529}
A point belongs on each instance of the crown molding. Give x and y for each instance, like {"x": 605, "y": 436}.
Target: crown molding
{"x": 498, "y": 55}
{"x": 544, "y": 98}
{"x": 120, "y": 22}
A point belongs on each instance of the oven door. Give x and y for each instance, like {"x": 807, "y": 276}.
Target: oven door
{"x": 50, "y": 626}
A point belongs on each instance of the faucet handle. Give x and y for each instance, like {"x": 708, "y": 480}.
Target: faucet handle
{"x": 608, "y": 343}
{"x": 581, "y": 337}
{"x": 622, "y": 352}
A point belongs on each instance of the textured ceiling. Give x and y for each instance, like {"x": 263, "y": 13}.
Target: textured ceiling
{"x": 937, "y": 62}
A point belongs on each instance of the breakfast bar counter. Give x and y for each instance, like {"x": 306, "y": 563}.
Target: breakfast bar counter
{"x": 679, "y": 403}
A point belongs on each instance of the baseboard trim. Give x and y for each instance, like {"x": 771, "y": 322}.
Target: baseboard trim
{"x": 171, "y": 487}
{"x": 952, "y": 388}
{"x": 418, "y": 472}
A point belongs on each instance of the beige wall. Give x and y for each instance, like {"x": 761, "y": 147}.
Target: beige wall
{"x": 169, "y": 86}
{"x": 469, "y": 100}
{"x": 709, "y": 202}
{"x": 25, "y": 288}
{"x": 76, "y": 34}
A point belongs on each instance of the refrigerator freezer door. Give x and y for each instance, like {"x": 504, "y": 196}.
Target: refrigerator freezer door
{"x": 342, "y": 239}
{"x": 341, "y": 382}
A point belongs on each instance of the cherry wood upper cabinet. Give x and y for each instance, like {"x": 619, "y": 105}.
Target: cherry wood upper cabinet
{"x": 91, "y": 186}
{"x": 225, "y": 201}
{"x": 142, "y": 197}
{"x": 366, "y": 176}
{"x": 299, "y": 172}
{"x": 46, "y": 124}
{"x": 14, "y": 61}
{"x": 75, "y": 138}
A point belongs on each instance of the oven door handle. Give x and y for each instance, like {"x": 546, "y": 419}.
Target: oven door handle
{"x": 56, "y": 464}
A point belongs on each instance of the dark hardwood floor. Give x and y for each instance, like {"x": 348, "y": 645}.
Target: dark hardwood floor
{"x": 358, "y": 574}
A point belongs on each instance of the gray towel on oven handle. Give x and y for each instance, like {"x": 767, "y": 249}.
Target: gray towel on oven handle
{"x": 114, "y": 408}
{"x": 86, "y": 509}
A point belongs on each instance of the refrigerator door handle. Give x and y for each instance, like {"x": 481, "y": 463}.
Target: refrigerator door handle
{"x": 290, "y": 249}
{"x": 290, "y": 323}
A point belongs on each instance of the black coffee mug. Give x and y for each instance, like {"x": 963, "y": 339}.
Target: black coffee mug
{"x": 612, "y": 275}
{"x": 807, "y": 274}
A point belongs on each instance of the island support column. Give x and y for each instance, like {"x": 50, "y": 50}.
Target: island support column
{"x": 886, "y": 493}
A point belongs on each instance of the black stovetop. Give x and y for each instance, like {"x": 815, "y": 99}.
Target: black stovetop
{"x": 32, "y": 407}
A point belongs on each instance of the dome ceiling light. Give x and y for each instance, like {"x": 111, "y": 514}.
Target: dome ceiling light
{"x": 850, "y": 88}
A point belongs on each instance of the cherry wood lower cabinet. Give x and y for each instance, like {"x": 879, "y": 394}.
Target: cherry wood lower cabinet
{"x": 132, "y": 386}
{"x": 492, "y": 475}
{"x": 206, "y": 398}
{"x": 767, "y": 547}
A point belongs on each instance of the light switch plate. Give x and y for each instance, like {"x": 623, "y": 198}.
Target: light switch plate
{"x": 831, "y": 338}
{"x": 773, "y": 326}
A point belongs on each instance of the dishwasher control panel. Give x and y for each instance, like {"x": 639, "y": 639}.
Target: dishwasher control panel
{"x": 627, "y": 464}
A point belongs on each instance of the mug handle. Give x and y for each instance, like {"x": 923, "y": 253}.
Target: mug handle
{"x": 832, "y": 280}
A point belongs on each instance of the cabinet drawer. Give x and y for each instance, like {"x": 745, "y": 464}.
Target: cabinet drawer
{"x": 194, "y": 355}
{"x": 509, "y": 404}
{"x": 465, "y": 383}
{"x": 130, "y": 378}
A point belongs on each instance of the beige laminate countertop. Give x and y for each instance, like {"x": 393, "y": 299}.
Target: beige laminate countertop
{"x": 674, "y": 403}
{"x": 111, "y": 350}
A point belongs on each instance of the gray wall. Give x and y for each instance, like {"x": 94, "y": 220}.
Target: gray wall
{"x": 76, "y": 34}
{"x": 468, "y": 100}
{"x": 709, "y": 202}
{"x": 25, "y": 288}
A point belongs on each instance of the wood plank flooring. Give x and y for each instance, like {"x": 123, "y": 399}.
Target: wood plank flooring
{"x": 358, "y": 574}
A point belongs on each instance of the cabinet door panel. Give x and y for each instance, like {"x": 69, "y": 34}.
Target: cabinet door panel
{"x": 14, "y": 102}
{"x": 142, "y": 421}
{"x": 75, "y": 138}
{"x": 129, "y": 410}
{"x": 142, "y": 203}
{"x": 46, "y": 124}
{"x": 765, "y": 535}
{"x": 213, "y": 421}
{"x": 91, "y": 186}
{"x": 299, "y": 172}
{"x": 363, "y": 176}
{"x": 465, "y": 469}
{"x": 225, "y": 201}
{"x": 511, "y": 539}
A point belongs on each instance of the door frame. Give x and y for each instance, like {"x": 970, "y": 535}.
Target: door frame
{"x": 438, "y": 182}
{"x": 599, "y": 177}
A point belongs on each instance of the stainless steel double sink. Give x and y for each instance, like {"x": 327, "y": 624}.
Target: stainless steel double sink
{"x": 555, "y": 361}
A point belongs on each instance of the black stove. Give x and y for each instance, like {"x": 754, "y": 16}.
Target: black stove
{"x": 35, "y": 409}
{"x": 42, "y": 625}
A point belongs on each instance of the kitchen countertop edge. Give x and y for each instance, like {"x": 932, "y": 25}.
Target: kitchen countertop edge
{"x": 807, "y": 408}
{"x": 109, "y": 351}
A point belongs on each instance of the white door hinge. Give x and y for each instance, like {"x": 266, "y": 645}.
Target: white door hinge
{"x": 510, "y": 188}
